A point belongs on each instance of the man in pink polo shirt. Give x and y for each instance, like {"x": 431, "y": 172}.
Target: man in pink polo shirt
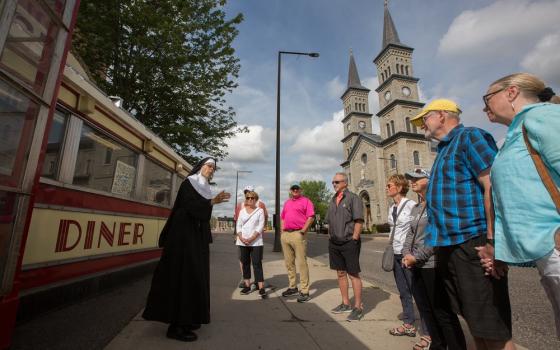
{"x": 297, "y": 215}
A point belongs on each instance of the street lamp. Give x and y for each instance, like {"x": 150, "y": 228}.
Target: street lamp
{"x": 277, "y": 246}
{"x": 236, "y": 183}
{"x": 392, "y": 160}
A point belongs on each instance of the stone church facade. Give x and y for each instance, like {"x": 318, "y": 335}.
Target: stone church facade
{"x": 371, "y": 158}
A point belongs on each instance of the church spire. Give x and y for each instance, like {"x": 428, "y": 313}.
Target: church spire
{"x": 353, "y": 77}
{"x": 390, "y": 35}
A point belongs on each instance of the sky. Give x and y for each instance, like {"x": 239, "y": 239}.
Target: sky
{"x": 460, "y": 47}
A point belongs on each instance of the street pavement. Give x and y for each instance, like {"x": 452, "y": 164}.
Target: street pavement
{"x": 533, "y": 322}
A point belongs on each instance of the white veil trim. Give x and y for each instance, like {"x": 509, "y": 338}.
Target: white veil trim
{"x": 200, "y": 183}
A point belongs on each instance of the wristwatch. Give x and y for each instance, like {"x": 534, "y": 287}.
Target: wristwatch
{"x": 490, "y": 241}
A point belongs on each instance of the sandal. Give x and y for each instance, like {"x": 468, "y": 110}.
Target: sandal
{"x": 424, "y": 343}
{"x": 409, "y": 330}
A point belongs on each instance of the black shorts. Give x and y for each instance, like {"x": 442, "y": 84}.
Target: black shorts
{"x": 482, "y": 300}
{"x": 345, "y": 256}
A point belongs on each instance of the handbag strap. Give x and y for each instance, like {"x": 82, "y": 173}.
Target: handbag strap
{"x": 395, "y": 221}
{"x": 250, "y": 216}
{"x": 543, "y": 172}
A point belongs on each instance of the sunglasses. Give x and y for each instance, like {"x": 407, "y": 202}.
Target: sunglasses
{"x": 337, "y": 182}
{"x": 248, "y": 198}
{"x": 486, "y": 98}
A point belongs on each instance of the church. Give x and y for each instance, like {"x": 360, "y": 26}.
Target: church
{"x": 369, "y": 159}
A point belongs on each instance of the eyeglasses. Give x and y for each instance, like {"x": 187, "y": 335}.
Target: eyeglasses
{"x": 486, "y": 98}
{"x": 424, "y": 118}
{"x": 295, "y": 189}
{"x": 248, "y": 198}
{"x": 336, "y": 182}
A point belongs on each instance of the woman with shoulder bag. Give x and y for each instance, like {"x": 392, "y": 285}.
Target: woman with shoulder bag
{"x": 525, "y": 178}
{"x": 250, "y": 224}
{"x": 399, "y": 219}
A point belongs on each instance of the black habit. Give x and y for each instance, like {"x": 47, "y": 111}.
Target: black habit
{"x": 180, "y": 291}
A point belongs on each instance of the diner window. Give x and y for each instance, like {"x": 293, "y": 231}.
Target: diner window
{"x": 54, "y": 146}
{"x": 119, "y": 178}
{"x": 156, "y": 185}
{"x": 17, "y": 123}
{"x": 30, "y": 44}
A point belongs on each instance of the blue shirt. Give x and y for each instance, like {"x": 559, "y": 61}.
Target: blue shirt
{"x": 526, "y": 217}
{"x": 455, "y": 199}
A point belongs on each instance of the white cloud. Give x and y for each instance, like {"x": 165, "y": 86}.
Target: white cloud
{"x": 294, "y": 176}
{"x": 310, "y": 162}
{"x": 501, "y": 29}
{"x": 321, "y": 140}
{"x": 251, "y": 146}
{"x": 335, "y": 87}
{"x": 544, "y": 59}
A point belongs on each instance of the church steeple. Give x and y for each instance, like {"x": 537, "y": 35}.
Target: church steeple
{"x": 353, "y": 77}
{"x": 390, "y": 35}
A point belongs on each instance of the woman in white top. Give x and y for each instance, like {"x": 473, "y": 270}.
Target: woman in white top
{"x": 250, "y": 224}
{"x": 399, "y": 219}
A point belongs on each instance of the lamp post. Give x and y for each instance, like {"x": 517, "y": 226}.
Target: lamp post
{"x": 236, "y": 183}
{"x": 277, "y": 246}
{"x": 392, "y": 160}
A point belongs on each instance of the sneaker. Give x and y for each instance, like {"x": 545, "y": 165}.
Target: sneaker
{"x": 355, "y": 315}
{"x": 254, "y": 286}
{"x": 245, "y": 290}
{"x": 342, "y": 308}
{"x": 242, "y": 283}
{"x": 289, "y": 292}
{"x": 262, "y": 292}
{"x": 303, "y": 298}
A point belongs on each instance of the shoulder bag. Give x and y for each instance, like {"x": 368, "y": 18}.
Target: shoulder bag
{"x": 546, "y": 179}
{"x": 388, "y": 259}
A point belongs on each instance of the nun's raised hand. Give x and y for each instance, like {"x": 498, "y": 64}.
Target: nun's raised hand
{"x": 221, "y": 197}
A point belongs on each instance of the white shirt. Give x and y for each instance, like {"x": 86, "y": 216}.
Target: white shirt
{"x": 248, "y": 224}
{"x": 403, "y": 223}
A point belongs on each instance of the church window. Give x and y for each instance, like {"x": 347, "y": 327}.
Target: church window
{"x": 386, "y": 76}
{"x": 407, "y": 122}
{"x": 389, "y": 70}
{"x": 414, "y": 129}
{"x": 392, "y": 127}
{"x": 364, "y": 107}
{"x": 393, "y": 161}
{"x": 397, "y": 68}
{"x": 402, "y": 69}
{"x": 388, "y": 130}
{"x": 382, "y": 76}
{"x": 356, "y": 106}
{"x": 406, "y": 68}
{"x": 416, "y": 157}
{"x": 364, "y": 159}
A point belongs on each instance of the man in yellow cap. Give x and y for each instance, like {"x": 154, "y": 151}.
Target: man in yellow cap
{"x": 457, "y": 199}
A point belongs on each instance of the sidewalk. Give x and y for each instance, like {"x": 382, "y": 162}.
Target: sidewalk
{"x": 249, "y": 322}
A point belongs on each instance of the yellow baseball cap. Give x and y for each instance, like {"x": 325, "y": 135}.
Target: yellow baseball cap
{"x": 441, "y": 104}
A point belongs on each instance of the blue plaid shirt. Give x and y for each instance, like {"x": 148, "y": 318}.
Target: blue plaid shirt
{"x": 455, "y": 199}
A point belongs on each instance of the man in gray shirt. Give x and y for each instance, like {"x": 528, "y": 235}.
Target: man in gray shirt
{"x": 345, "y": 217}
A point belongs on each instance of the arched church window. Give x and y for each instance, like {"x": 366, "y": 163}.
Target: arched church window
{"x": 416, "y": 157}
{"x": 388, "y": 130}
{"x": 407, "y": 122}
{"x": 393, "y": 161}
{"x": 364, "y": 105}
{"x": 386, "y": 76}
{"x": 392, "y": 127}
{"x": 397, "y": 68}
{"x": 364, "y": 159}
{"x": 389, "y": 70}
{"x": 402, "y": 69}
{"x": 406, "y": 70}
{"x": 356, "y": 106}
{"x": 382, "y": 77}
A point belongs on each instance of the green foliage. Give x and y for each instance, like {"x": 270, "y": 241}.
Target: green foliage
{"x": 318, "y": 193}
{"x": 172, "y": 63}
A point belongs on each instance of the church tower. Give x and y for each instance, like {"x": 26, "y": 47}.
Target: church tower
{"x": 357, "y": 118}
{"x": 398, "y": 88}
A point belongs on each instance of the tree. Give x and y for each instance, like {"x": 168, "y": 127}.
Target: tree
{"x": 171, "y": 61}
{"x": 318, "y": 193}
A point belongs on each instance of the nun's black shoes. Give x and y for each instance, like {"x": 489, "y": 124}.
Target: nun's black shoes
{"x": 181, "y": 333}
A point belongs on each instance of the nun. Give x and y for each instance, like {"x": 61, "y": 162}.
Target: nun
{"x": 180, "y": 290}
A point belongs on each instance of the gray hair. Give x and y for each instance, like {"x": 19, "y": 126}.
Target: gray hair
{"x": 344, "y": 175}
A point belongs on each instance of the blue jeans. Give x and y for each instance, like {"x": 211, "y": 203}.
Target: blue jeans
{"x": 403, "y": 278}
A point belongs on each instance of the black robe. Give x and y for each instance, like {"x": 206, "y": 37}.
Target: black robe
{"x": 180, "y": 291}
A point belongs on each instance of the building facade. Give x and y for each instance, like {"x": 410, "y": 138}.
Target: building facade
{"x": 369, "y": 159}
